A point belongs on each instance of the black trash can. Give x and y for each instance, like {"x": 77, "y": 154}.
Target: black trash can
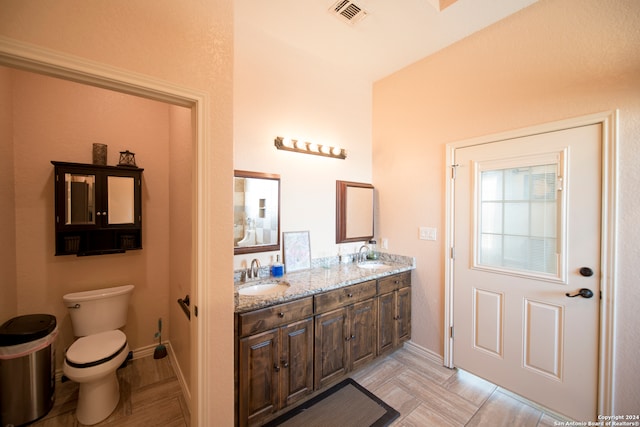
{"x": 27, "y": 368}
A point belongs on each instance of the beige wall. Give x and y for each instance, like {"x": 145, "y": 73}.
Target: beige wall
{"x": 180, "y": 225}
{"x": 296, "y": 95}
{"x": 9, "y": 300}
{"x": 554, "y": 60}
{"x": 58, "y": 120}
{"x": 189, "y": 46}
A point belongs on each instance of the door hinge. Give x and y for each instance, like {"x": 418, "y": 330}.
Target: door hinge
{"x": 453, "y": 171}
{"x": 451, "y": 332}
{"x": 195, "y": 310}
{"x": 452, "y": 253}
{"x": 560, "y": 184}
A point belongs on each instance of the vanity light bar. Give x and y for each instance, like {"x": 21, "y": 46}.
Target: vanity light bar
{"x": 309, "y": 148}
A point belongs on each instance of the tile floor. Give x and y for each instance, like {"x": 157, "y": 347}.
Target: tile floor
{"x": 150, "y": 395}
{"x": 428, "y": 394}
{"x": 424, "y": 392}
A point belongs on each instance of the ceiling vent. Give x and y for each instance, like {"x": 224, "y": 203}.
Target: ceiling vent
{"x": 348, "y": 11}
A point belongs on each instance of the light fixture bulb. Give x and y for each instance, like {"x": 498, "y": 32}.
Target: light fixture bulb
{"x": 313, "y": 147}
{"x": 336, "y": 151}
{"x": 325, "y": 149}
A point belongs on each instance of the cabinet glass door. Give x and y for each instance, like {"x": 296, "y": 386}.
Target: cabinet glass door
{"x": 80, "y": 199}
{"x": 121, "y": 204}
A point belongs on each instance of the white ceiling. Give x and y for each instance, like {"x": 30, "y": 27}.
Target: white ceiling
{"x": 394, "y": 34}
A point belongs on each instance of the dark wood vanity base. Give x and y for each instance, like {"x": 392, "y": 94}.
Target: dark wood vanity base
{"x": 289, "y": 352}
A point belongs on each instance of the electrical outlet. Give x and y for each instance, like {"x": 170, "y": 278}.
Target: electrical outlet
{"x": 428, "y": 233}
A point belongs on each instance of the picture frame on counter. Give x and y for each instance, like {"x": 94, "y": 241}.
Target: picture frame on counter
{"x": 297, "y": 250}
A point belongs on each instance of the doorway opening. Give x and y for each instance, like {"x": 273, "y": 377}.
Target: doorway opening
{"x": 25, "y": 57}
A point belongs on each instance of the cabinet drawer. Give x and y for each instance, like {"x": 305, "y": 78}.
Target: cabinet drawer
{"x": 395, "y": 282}
{"x": 271, "y": 317}
{"x": 344, "y": 296}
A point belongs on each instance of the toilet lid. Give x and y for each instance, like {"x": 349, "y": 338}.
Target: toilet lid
{"x": 96, "y": 347}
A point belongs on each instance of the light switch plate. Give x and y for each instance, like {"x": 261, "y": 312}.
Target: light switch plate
{"x": 428, "y": 233}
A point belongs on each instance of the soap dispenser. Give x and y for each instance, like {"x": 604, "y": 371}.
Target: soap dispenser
{"x": 277, "y": 269}
{"x": 373, "y": 250}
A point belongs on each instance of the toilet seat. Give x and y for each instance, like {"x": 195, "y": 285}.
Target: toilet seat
{"x": 96, "y": 349}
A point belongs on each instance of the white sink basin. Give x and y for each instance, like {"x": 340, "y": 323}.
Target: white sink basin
{"x": 267, "y": 288}
{"x": 373, "y": 265}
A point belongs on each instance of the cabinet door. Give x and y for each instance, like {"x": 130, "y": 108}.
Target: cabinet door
{"x": 386, "y": 321}
{"x": 121, "y": 196}
{"x": 403, "y": 323}
{"x": 76, "y": 198}
{"x": 362, "y": 334}
{"x": 331, "y": 358}
{"x": 258, "y": 368}
{"x": 296, "y": 361}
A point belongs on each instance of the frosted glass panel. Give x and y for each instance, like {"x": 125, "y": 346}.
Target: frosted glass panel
{"x": 492, "y": 214}
{"x": 516, "y": 218}
{"x": 518, "y": 214}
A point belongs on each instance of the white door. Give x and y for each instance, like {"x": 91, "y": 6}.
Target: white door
{"x": 526, "y": 240}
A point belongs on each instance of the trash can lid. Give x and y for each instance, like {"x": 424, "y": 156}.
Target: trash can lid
{"x": 23, "y": 329}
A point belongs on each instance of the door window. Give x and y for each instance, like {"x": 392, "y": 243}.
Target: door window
{"x": 519, "y": 215}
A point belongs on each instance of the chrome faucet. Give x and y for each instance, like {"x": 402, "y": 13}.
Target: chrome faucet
{"x": 254, "y": 270}
{"x": 362, "y": 257}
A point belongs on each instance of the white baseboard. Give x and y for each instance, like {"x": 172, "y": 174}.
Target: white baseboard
{"x": 183, "y": 383}
{"x": 424, "y": 352}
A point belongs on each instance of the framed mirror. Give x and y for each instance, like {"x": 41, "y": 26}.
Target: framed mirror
{"x": 256, "y": 212}
{"x": 79, "y": 198}
{"x": 354, "y": 211}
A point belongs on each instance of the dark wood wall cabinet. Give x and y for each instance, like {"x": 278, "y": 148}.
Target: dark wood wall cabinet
{"x": 287, "y": 352}
{"x": 98, "y": 209}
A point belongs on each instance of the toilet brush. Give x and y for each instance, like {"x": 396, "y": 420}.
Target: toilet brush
{"x": 161, "y": 350}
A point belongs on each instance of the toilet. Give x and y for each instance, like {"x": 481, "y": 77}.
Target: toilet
{"x": 249, "y": 238}
{"x": 101, "y": 347}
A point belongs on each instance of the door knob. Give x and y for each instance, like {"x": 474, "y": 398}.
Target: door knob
{"x": 584, "y": 293}
{"x": 586, "y": 272}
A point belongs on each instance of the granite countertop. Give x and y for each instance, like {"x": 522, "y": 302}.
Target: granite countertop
{"x": 318, "y": 279}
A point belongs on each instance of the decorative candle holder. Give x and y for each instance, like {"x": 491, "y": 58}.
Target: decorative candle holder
{"x": 99, "y": 154}
{"x": 127, "y": 158}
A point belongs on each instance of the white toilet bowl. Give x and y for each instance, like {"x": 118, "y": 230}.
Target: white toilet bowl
{"x": 92, "y": 362}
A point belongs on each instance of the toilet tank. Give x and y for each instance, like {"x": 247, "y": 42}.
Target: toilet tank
{"x": 98, "y": 310}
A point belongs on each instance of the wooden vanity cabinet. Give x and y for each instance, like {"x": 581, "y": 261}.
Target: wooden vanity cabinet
{"x": 288, "y": 351}
{"x": 275, "y": 366}
{"x": 394, "y": 311}
{"x": 345, "y": 337}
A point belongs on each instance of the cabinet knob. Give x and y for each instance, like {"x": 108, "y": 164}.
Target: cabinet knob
{"x": 281, "y": 315}
{"x": 350, "y": 295}
{"x": 285, "y": 364}
{"x": 350, "y": 338}
{"x": 276, "y": 367}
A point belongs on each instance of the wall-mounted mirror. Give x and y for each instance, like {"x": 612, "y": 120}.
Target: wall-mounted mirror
{"x": 121, "y": 191}
{"x": 80, "y": 198}
{"x": 256, "y": 212}
{"x": 354, "y": 211}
